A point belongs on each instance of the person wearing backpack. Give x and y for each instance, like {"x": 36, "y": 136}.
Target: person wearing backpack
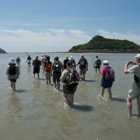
{"x": 57, "y": 68}
{"x": 83, "y": 66}
{"x": 65, "y": 62}
{"x": 29, "y": 60}
{"x": 134, "y": 92}
{"x": 107, "y": 79}
{"x": 97, "y": 64}
{"x": 48, "y": 70}
{"x": 13, "y": 73}
{"x": 70, "y": 79}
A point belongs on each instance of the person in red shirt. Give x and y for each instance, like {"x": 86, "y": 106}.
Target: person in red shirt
{"x": 108, "y": 76}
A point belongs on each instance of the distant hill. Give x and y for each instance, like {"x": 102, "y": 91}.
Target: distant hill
{"x": 101, "y": 44}
{"x": 2, "y": 51}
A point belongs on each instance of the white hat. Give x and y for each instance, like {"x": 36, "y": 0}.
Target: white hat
{"x": 106, "y": 62}
{"x": 12, "y": 60}
{"x": 71, "y": 58}
{"x": 138, "y": 55}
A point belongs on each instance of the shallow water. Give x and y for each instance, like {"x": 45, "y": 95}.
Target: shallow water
{"x": 37, "y": 112}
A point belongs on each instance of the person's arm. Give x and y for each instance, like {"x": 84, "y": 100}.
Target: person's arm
{"x": 63, "y": 75}
{"x": 126, "y": 71}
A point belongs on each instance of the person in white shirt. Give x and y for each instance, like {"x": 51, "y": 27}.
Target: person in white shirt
{"x": 134, "y": 92}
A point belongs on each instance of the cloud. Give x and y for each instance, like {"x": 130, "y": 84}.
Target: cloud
{"x": 52, "y": 40}
{"x": 114, "y": 35}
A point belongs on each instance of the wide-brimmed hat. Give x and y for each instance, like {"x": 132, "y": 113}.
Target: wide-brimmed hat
{"x": 138, "y": 55}
{"x": 106, "y": 62}
{"x": 12, "y": 60}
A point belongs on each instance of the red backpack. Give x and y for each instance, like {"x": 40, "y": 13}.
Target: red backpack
{"x": 48, "y": 67}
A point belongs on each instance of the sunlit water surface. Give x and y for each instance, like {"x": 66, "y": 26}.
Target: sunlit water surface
{"x": 37, "y": 112}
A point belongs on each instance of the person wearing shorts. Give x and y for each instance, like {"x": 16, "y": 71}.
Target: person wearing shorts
{"x": 83, "y": 68}
{"x": 104, "y": 82}
{"x": 57, "y": 68}
{"x": 68, "y": 90}
{"x": 134, "y": 92}
{"x": 36, "y": 67}
{"x": 13, "y": 78}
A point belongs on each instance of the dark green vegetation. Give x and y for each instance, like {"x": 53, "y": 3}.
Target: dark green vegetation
{"x": 101, "y": 44}
{"x": 2, "y": 51}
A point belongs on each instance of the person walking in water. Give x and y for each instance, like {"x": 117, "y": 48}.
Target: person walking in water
{"x": 134, "y": 92}
{"x": 107, "y": 79}
{"x": 18, "y": 60}
{"x": 97, "y": 64}
{"x": 29, "y": 60}
{"x": 57, "y": 68}
{"x": 83, "y": 66}
{"x": 13, "y": 73}
{"x": 48, "y": 70}
{"x": 70, "y": 79}
{"x": 36, "y": 67}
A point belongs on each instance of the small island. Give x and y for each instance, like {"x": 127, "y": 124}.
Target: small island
{"x": 99, "y": 44}
{"x": 2, "y": 51}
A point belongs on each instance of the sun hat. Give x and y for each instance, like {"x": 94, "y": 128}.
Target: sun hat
{"x": 12, "y": 60}
{"x": 138, "y": 55}
{"x": 106, "y": 62}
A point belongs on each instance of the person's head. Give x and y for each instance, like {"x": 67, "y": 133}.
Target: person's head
{"x": 67, "y": 57}
{"x": 36, "y": 57}
{"x": 56, "y": 58}
{"x": 106, "y": 62}
{"x": 137, "y": 58}
{"x": 82, "y": 56}
{"x": 48, "y": 58}
{"x": 96, "y": 56}
{"x": 12, "y": 60}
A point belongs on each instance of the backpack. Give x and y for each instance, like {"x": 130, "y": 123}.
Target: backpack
{"x": 37, "y": 63}
{"x": 48, "y": 67}
{"x": 12, "y": 70}
{"x": 57, "y": 67}
{"x": 82, "y": 63}
{"x": 98, "y": 62}
{"x": 109, "y": 74}
{"x": 137, "y": 80}
{"x": 72, "y": 79}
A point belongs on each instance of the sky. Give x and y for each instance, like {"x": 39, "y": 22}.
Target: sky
{"x": 58, "y": 25}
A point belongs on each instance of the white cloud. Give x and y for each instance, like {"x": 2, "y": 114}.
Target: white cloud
{"x": 52, "y": 40}
{"x": 114, "y": 35}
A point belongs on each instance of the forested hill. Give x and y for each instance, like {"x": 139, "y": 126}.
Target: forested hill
{"x": 101, "y": 44}
{"x": 2, "y": 51}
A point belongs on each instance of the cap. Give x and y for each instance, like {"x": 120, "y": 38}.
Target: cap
{"x": 12, "y": 60}
{"x": 106, "y": 62}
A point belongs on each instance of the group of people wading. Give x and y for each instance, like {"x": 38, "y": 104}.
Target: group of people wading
{"x": 66, "y": 73}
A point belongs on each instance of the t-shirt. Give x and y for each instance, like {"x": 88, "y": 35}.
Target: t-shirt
{"x": 135, "y": 70}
